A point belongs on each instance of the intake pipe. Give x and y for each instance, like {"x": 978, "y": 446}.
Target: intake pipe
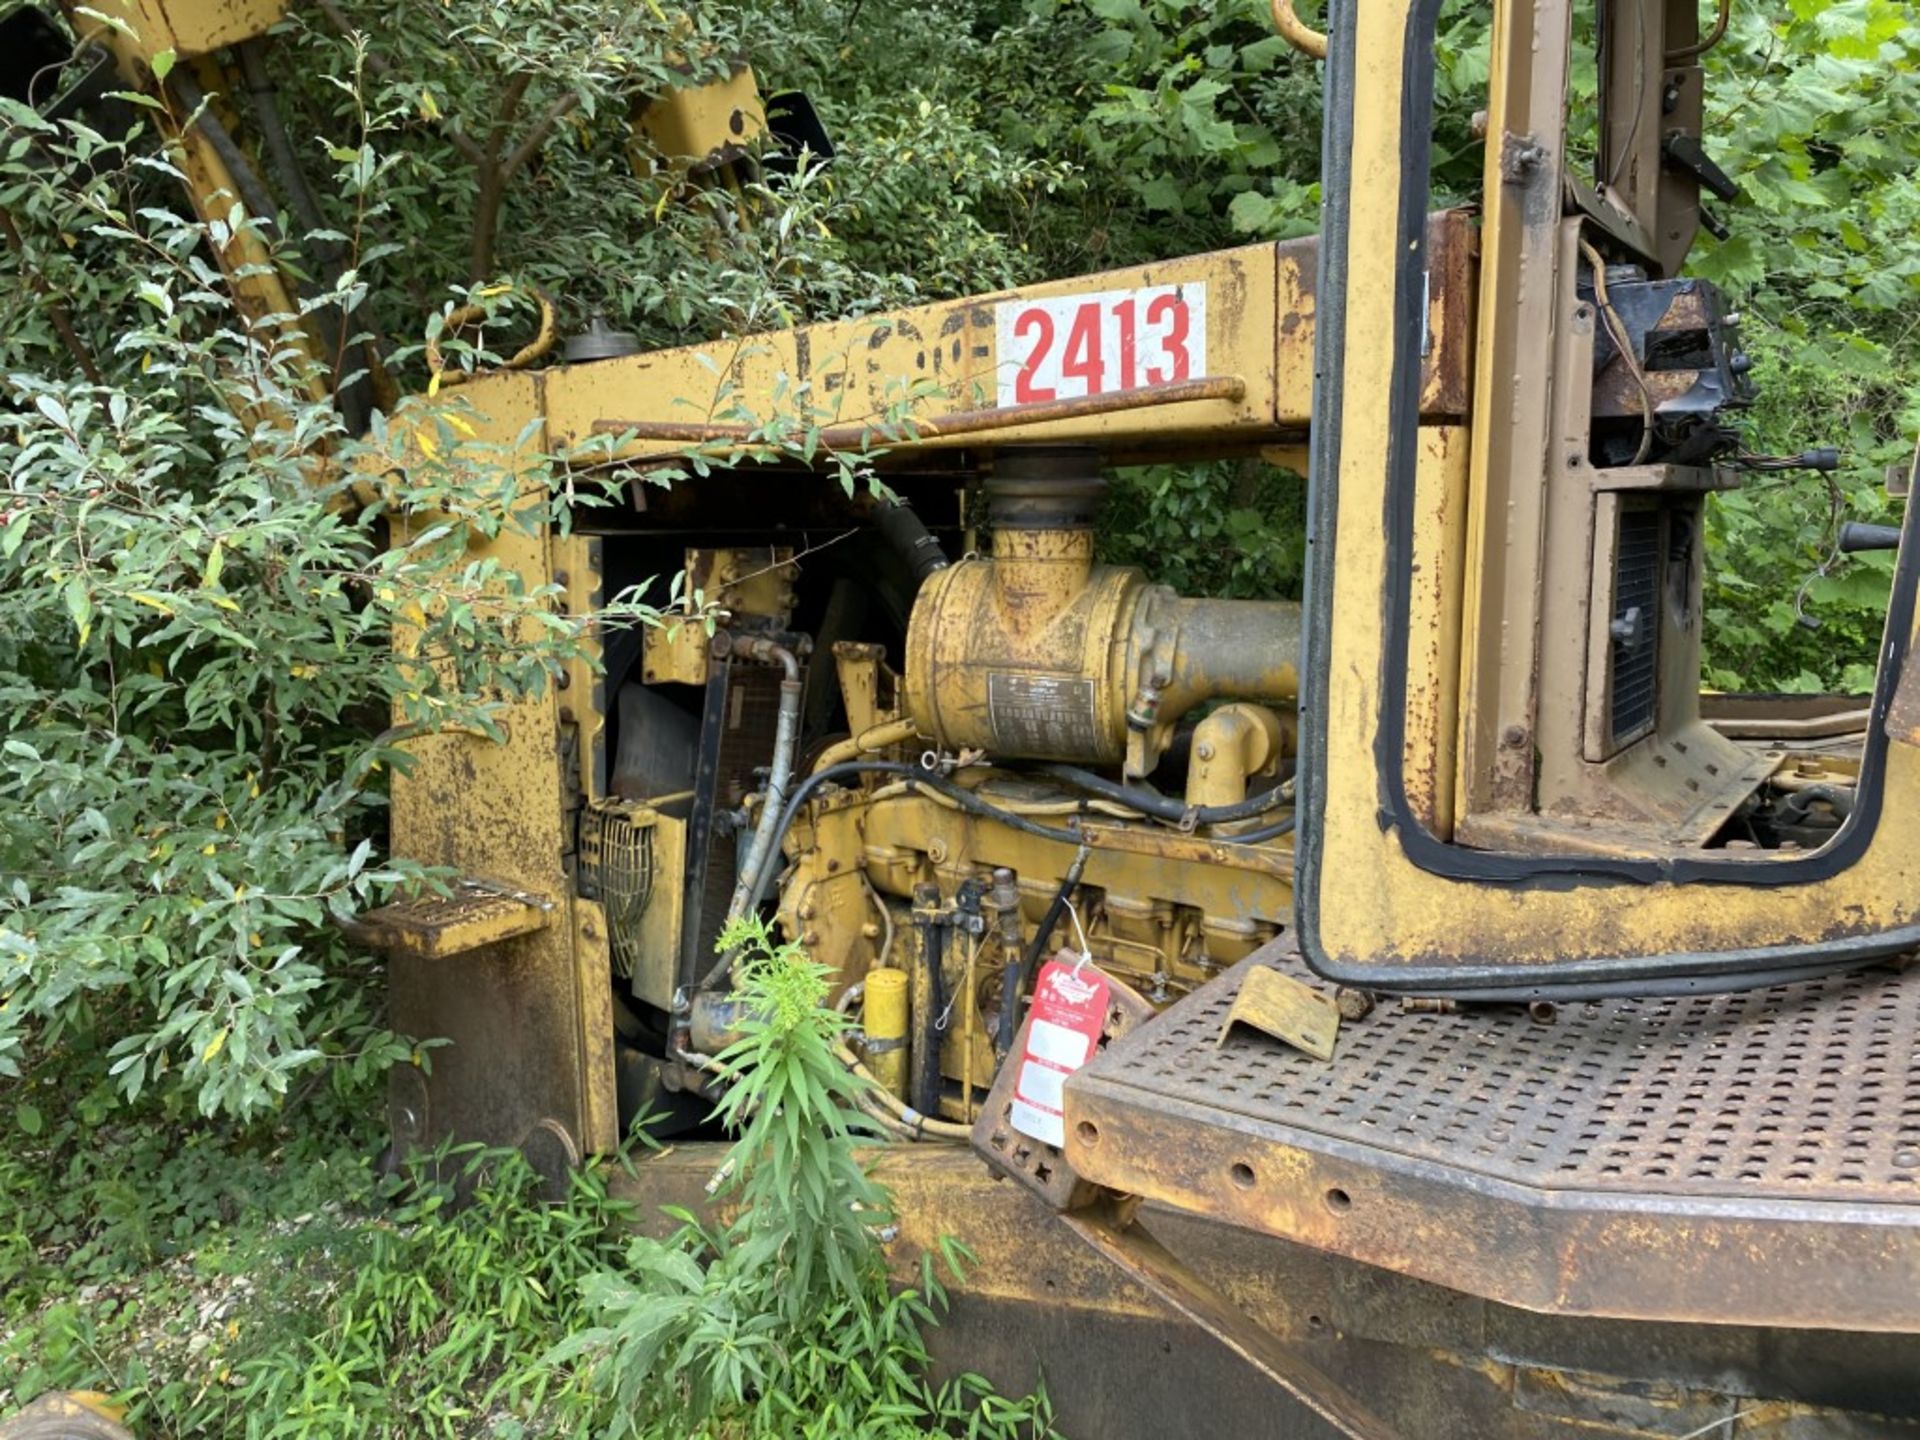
{"x": 908, "y": 535}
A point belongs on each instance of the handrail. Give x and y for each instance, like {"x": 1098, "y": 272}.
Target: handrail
{"x": 1296, "y": 32}
{"x": 1712, "y": 38}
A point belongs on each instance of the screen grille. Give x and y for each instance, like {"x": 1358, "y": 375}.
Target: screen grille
{"x": 1634, "y": 630}
{"x": 616, "y": 868}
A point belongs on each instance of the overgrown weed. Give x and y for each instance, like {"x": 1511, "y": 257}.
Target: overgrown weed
{"x": 265, "y": 1282}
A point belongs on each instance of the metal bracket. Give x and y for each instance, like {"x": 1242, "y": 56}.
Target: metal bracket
{"x": 1146, "y": 1260}
{"x": 1287, "y": 1009}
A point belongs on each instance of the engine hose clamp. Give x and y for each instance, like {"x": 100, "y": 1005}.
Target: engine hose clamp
{"x": 1189, "y": 820}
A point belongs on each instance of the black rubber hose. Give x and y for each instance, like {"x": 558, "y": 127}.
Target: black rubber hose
{"x": 959, "y": 794}
{"x": 282, "y": 156}
{"x": 1020, "y": 977}
{"x": 1856, "y": 536}
{"x": 245, "y": 178}
{"x": 1265, "y": 832}
{"x": 973, "y": 804}
{"x": 354, "y": 407}
{"x": 926, "y": 1048}
{"x": 1164, "y": 807}
{"x": 1840, "y": 798}
{"x": 908, "y": 534}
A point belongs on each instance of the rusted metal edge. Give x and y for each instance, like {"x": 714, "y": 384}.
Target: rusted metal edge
{"x": 1622, "y": 1255}
{"x": 960, "y": 422}
{"x": 1146, "y": 1260}
{"x": 68, "y": 1415}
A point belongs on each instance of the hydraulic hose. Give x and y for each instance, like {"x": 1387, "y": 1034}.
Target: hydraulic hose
{"x": 1164, "y": 807}
{"x": 1265, "y": 832}
{"x": 281, "y": 154}
{"x": 786, "y": 741}
{"x": 245, "y": 178}
{"x": 959, "y": 794}
{"x": 1297, "y": 33}
{"x": 881, "y": 1104}
{"x": 354, "y": 405}
{"x": 967, "y": 800}
{"x": 908, "y": 534}
{"x": 1019, "y": 977}
{"x": 879, "y": 737}
{"x": 1839, "y": 798}
{"x": 933, "y": 1017}
{"x": 1085, "y": 805}
{"x": 891, "y": 1113}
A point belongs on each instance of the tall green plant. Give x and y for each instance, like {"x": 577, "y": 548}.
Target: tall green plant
{"x": 251, "y": 1284}
{"x": 781, "y": 1321}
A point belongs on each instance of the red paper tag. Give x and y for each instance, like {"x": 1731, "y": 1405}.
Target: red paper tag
{"x": 1069, "y": 1012}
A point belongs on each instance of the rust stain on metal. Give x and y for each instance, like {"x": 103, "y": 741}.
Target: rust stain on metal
{"x": 438, "y": 927}
{"x": 1229, "y": 388}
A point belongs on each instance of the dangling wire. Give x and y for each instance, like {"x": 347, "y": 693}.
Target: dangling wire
{"x": 1713, "y": 37}
{"x": 1086, "y": 950}
{"x": 1836, "y": 509}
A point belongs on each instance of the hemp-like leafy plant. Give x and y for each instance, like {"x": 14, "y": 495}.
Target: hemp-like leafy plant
{"x": 781, "y": 1321}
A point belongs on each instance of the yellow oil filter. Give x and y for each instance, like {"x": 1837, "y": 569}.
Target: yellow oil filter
{"x": 885, "y": 1015}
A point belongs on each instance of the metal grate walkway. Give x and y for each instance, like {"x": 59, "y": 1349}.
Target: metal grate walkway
{"x": 1521, "y": 1159}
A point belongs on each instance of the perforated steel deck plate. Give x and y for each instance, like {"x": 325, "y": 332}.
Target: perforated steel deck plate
{"x": 1742, "y": 1158}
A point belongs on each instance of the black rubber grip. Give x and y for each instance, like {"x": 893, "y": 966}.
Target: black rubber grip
{"x": 1856, "y": 536}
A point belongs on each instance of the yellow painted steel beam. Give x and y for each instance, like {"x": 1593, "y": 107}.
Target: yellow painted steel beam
{"x": 1222, "y": 361}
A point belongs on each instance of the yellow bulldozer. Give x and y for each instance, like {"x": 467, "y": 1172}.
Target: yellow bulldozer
{"x": 1418, "y": 1011}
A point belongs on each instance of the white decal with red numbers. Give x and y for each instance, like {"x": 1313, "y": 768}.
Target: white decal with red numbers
{"x": 1093, "y": 344}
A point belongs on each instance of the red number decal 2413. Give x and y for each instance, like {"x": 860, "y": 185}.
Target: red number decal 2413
{"x": 1114, "y": 340}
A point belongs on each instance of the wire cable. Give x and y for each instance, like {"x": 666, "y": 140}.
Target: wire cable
{"x": 1020, "y": 977}
{"x": 1266, "y": 832}
{"x": 1712, "y": 38}
{"x": 1617, "y": 328}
